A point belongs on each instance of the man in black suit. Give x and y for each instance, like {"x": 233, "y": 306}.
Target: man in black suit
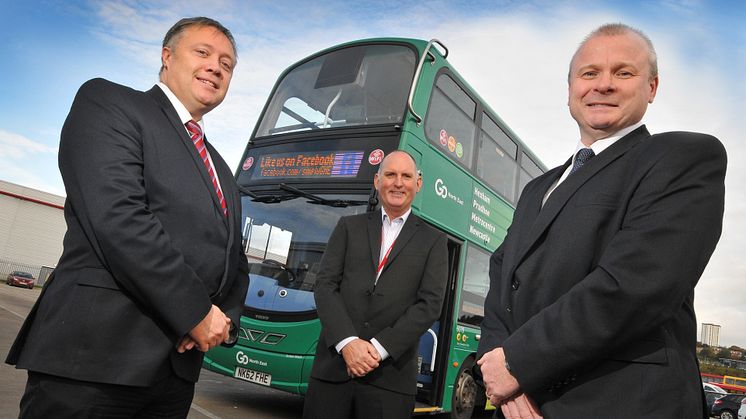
{"x": 380, "y": 286}
{"x": 152, "y": 273}
{"x": 590, "y": 310}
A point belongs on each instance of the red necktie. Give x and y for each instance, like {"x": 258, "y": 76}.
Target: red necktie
{"x": 195, "y": 131}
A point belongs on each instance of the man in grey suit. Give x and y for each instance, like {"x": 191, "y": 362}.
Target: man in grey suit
{"x": 152, "y": 273}
{"x": 590, "y": 309}
{"x": 380, "y": 286}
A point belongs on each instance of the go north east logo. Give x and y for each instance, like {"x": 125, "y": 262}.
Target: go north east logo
{"x": 442, "y": 191}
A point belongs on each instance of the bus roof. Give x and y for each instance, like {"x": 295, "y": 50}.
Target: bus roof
{"x": 419, "y": 45}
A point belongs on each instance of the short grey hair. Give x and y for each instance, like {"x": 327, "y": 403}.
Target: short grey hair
{"x": 616, "y": 29}
{"x": 174, "y": 34}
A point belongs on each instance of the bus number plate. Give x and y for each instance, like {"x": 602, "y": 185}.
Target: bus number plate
{"x": 253, "y": 376}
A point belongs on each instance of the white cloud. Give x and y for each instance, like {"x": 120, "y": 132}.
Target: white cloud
{"x": 16, "y": 146}
{"x": 15, "y": 153}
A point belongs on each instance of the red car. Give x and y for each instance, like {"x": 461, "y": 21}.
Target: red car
{"x": 20, "y": 279}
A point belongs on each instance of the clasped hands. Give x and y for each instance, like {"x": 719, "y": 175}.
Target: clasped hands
{"x": 503, "y": 389}
{"x": 213, "y": 330}
{"x": 361, "y": 357}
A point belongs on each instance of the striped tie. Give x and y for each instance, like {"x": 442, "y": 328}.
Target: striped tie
{"x": 195, "y": 132}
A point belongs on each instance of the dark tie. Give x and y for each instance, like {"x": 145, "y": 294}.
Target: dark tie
{"x": 584, "y": 154}
{"x": 195, "y": 132}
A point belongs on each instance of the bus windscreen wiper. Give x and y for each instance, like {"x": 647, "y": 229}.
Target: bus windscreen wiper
{"x": 265, "y": 199}
{"x": 315, "y": 199}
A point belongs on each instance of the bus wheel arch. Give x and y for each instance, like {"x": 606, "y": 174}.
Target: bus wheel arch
{"x": 467, "y": 394}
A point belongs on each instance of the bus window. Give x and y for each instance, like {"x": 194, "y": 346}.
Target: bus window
{"x": 284, "y": 240}
{"x": 449, "y": 123}
{"x": 496, "y": 162}
{"x": 475, "y": 286}
{"x": 529, "y": 170}
{"x": 352, "y": 86}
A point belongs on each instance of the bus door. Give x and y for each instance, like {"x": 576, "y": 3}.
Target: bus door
{"x": 434, "y": 343}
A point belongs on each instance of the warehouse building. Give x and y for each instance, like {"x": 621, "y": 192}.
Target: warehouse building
{"x": 32, "y": 226}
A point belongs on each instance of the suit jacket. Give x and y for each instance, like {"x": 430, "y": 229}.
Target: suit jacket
{"x": 591, "y": 296}
{"x": 397, "y": 311}
{"x": 147, "y": 250}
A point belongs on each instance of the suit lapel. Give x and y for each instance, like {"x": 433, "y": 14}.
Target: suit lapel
{"x": 559, "y": 197}
{"x": 408, "y": 231}
{"x": 532, "y": 202}
{"x": 173, "y": 117}
{"x": 405, "y": 235}
{"x": 374, "y": 236}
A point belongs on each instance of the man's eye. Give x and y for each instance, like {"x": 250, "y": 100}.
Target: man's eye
{"x": 589, "y": 74}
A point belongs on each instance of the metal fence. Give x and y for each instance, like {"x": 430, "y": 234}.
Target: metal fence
{"x": 40, "y": 273}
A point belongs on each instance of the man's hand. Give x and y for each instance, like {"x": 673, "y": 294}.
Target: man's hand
{"x": 210, "y": 332}
{"x": 498, "y": 381}
{"x": 185, "y": 344}
{"x": 520, "y": 406}
{"x": 361, "y": 357}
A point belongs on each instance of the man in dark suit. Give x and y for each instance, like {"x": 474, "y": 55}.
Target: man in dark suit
{"x": 152, "y": 273}
{"x": 590, "y": 310}
{"x": 380, "y": 286}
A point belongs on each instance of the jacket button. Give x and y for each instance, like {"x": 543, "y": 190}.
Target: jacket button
{"x": 366, "y": 324}
{"x": 516, "y": 284}
{"x": 508, "y": 309}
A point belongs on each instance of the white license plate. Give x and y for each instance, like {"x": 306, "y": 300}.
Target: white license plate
{"x": 257, "y": 377}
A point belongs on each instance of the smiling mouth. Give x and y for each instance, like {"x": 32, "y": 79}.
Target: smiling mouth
{"x": 208, "y": 82}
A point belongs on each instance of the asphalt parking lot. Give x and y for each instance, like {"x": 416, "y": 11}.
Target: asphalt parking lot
{"x": 216, "y": 396}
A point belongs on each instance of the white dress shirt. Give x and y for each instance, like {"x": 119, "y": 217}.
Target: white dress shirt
{"x": 598, "y": 146}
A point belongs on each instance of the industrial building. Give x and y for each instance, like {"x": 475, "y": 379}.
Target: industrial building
{"x": 32, "y": 226}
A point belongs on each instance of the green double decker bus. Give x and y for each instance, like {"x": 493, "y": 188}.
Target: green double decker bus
{"x": 329, "y": 122}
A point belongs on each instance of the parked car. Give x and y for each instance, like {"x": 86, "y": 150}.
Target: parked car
{"x": 712, "y": 393}
{"x": 20, "y": 279}
{"x": 742, "y": 410}
{"x": 727, "y": 406}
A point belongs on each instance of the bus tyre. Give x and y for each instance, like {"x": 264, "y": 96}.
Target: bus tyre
{"x": 466, "y": 392}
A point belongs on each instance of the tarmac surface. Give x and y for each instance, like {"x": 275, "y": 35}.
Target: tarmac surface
{"x": 216, "y": 396}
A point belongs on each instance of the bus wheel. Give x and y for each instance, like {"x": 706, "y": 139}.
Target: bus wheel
{"x": 466, "y": 392}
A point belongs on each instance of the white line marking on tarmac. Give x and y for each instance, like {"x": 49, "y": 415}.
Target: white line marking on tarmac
{"x": 204, "y": 411}
{"x": 12, "y": 312}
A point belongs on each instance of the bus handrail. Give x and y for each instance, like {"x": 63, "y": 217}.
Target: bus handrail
{"x": 435, "y": 349}
{"x": 416, "y": 79}
{"x": 329, "y": 108}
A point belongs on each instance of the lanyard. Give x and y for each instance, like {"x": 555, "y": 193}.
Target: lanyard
{"x": 385, "y": 257}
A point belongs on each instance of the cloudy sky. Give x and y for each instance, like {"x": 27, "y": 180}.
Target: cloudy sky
{"x": 514, "y": 53}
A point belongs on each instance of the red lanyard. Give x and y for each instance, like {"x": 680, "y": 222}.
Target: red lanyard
{"x": 386, "y": 256}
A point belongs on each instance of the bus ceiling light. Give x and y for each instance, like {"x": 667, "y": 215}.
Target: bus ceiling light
{"x": 425, "y": 55}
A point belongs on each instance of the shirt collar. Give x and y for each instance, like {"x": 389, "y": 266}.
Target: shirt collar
{"x": 181, "y": 110}
{"x": 600, "y": 145}
{"x": 403, "y": 217}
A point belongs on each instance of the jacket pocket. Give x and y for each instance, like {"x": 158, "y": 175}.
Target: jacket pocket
{"x": 96, "y": 277}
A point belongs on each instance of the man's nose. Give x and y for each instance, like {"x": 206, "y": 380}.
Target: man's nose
{"x": 605, "y": 83}
{"x": 213, "y": 65}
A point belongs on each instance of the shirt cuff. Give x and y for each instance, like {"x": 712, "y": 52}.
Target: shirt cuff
{"x": 381, "y": 350}
{"x": 344, "y": 343}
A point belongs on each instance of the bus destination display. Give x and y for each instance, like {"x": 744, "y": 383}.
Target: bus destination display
{"x": 309, "y": 164}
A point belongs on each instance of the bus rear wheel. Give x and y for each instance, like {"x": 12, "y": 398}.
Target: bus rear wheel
{"x": 466, "y": 392}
